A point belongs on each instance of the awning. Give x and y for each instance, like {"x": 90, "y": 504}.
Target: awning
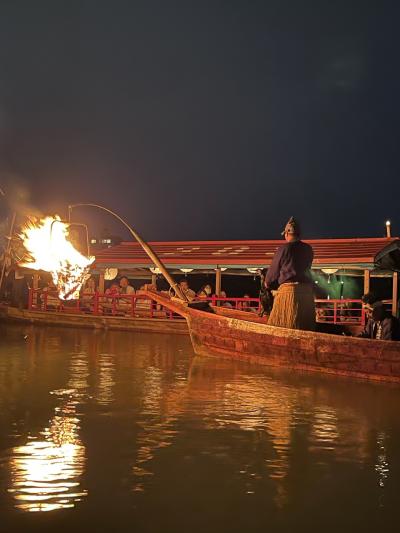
{"x": 207, "y": 255}
{"x": 389, "y": 257}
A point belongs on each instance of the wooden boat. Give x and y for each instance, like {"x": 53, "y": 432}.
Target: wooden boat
{"x": 240, "y": 335}
{"x": 49, "y": 318}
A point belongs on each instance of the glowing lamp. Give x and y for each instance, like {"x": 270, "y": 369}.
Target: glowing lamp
{"x": 155, "y": 270}
{"x": 186, "y": 270}
{"x": 110, "y": 273}
{"x": 329, "y": 271}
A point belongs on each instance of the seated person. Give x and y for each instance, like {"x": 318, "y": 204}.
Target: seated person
{"x": 187, "y": 291}
{"x": 205, "y": 291}
{"x": 224, "y": 303}
{"x": 319, "y": 314}
{"x": 88, "y": 292}
{"x": 246, "y": 305}
{"x": 112, "y": 291}
{"x": 124, "y": 304}
{"x": 381, "y": 324}
{"x": 109, "y": 300}
{"x": 148, "y": 304}
{"x": 144, "y": 304}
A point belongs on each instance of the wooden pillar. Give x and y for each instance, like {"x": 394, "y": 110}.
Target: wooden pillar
{"x": 35, "y": 286}
{"x": 35, "y": 281}
{"x": 154, "y": 279}
{"x": 395, "y": 294}
{"x": 367, "y": 278}
{"x": 101, "y": 282}
{"x": 218, "y": 281}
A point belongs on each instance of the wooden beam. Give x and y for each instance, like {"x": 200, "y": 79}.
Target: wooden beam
{"x": 395, "y": 294}
{"x": 367, "y": 277}
{"x": 218, "y": 281}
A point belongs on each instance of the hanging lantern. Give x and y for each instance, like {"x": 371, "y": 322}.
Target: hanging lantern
{"x": 329, "y": 271}
{"x": 110, "y": 273}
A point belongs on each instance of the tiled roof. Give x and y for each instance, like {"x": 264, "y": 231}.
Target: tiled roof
{"x": 240, "y": 254}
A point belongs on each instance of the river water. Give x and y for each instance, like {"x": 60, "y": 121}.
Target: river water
{"x": 124, "y": 432}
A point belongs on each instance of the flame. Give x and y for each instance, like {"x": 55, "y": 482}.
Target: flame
{"x": 48, "y": 248}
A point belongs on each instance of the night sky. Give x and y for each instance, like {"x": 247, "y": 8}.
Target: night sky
{"x": 205, "y": 119}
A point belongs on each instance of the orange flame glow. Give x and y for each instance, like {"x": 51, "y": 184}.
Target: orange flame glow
{"x": 48, "y": 249}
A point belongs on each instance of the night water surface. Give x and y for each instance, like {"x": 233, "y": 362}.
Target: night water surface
{"x": 124, "y": 432}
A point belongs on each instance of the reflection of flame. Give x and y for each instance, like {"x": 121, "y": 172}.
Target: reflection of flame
{"x": 38, "y": 467}
{"x": 325, "y": 431}
{"x": 106, "y": 368}
{"x": 49, "y": 249}
{"x": 46, "y": 472}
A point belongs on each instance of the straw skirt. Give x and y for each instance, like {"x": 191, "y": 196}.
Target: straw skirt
{"x": 294, "y": 307}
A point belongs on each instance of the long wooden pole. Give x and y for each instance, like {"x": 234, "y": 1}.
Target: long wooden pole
{"x": 153, "y": 256}
{"x": 395, "y": 294}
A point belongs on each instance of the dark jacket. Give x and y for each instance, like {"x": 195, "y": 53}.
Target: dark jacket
{"x": 291, "y": 263}
{"x": 390, "y": 329}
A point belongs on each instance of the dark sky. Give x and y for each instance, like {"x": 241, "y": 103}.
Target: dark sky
{"x": 206, "y": 119}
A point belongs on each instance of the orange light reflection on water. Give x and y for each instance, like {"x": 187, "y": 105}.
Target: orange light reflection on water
{"x": 46, "y": 470}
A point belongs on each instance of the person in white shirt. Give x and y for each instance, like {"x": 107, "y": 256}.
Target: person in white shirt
{"x": 124, "y": 304}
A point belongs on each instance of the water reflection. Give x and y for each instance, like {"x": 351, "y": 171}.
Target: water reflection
{"x": 324, "y": 434}
{"x": 46, "y": 470}
{"x": 221, "y": 396}
{"x": 159, "y": 413}
{"x": 174, "y": 420}
{"x": 105, "y": 379}
{"x": 381, "y": 465}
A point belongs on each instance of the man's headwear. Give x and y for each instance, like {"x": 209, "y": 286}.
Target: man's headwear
{"x": 292, "y": 227}
{"x": 370, "y": 299}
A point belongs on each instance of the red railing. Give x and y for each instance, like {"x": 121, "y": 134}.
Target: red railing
{"x": 349, "y": 312}
{"x": 128, "y": 305}
{"x": 343, "y": 311}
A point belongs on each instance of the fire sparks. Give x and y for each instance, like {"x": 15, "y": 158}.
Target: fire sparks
{"x": 49, "y": 249}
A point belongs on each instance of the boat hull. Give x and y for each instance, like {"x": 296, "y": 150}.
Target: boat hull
{"x": 237, "y": 335}
{"x": 150, "y": 325}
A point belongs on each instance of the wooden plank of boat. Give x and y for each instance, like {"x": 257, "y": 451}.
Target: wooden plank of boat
{"x": 240, "y": 335}
{"x": 150, "y": 325}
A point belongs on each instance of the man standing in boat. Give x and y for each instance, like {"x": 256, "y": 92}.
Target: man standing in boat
{"x": 289, "y": 272}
